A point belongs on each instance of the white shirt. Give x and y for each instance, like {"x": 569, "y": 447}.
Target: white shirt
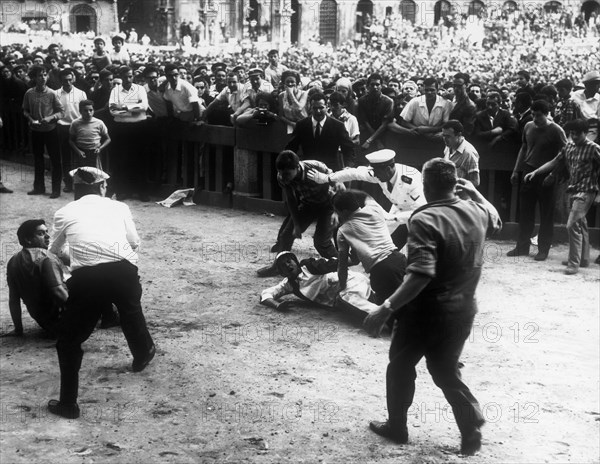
{"x": 70, "y": 102}
{"x": 590, "y": 107}
{"x": 182, "y": 96}
{"x": 119, "y": 57}
{"x": 416, "y": 112}
{"x": 320, "y": 123}
{"x": 135, "y": 100}
{"x": 97, "y": 229}
{"x": 407, "y": 189}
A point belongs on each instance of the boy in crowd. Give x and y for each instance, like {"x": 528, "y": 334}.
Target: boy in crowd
{"x": 88, "y": 136}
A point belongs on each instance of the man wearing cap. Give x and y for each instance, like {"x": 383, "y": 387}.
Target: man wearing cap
{"x": 435, "y": 306}
{"x": 250, "y": 90}
{"x": 275, "y": 69}
{"x": 588, "y": 100}
{"x": 219, "y": 71}
{"x": 108, "y": 275}
{"x": 241, "y": 74}
{"x": 226, "y": 103}
{"x": 402, "y": 186}
{"x": 119, "y": 55}
{"x": 316, "y": 281}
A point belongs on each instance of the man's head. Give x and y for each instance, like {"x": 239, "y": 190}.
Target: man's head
{"x": 52, "y": 61}
{"x": 347, "y": 202}
{"x": 151, "y": 76}
{"x": 540, "y": 110}
{"x": 551, "y": 93}
{"x": 591, "y": 82}
{"x": 33, "y": 233}
{"x": 452, "y": 133}
{"x": 287, "y": 264}
{"x": 577, "y": 129}
{"x": 287, "y": 165}
{"x": 172, "y": 73}
{"x": 337, "y": 103}
{"x": 232, "y": 82}
{"x": 273, "y": 57}
{"x": 53, "y": 49}
{"x": 220, "y": 78}
{"x": 255, "y": 76}
{"x": 5, "y": 72}
{"x": 439, "y": 179}
{"x": 459, "y": 83}
{"x": 564, "y": 87}
{"x": 394, "y": 84}
{"x": 523, "y": 102}
{"x": 318, "y": 106}
{"x": 359, "y": 87}
{"x": 126, "y": 75}
{"x": 430, "y": 88}
{"x": 410, "y": 89}
{"x": 241, "y": 73}
{"x": 86, "y": 109}
{"x": 374, "y": 83}
{"x": 106, "y": 78}
{"x": 67, "y": 77}
{"x": 20, "y": 72}
{"x": 475, "y": 91}
{"x": 38, "y": 75}
{"x": 88, "y": 181}
{"x": 38, "y": 60}
{"x": 79, "y": 68}
{"x": 383, "y": 164}
{"x": 523, "y": 78}
{"x": 492, "y": 103}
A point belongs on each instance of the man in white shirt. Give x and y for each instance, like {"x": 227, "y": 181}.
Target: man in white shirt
{"x": 588, "y": 100}
{"x": 182, "y": 98}
{"x": 274, "y": 71}
{"x": 401, "y": 184}
{"x": 462, "y": 153}
{"x": 426, "y": 114}
{"x": 103, "y": 245}
{"x": 70, "y": 97}
{"x": 128, "y": 103}
{"x": 251, "y": 89}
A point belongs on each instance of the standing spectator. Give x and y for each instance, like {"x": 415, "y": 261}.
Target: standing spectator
{"x": 252, "y": 88}
{"x": 493, "y": 124}
{"x": 425, "y": 115}
{"x": 522, "y": 111}
{"x": 523, "y": 83}
{"x": 42, "y": 109}
{"x": 460, "y": 152}
{"x": 567, "y": 108}
{"x": 588, "y": 100}
{"x": 463, "y": 108}
{"x": 221, "y": 109}
{"x": 375, "y": 111}
{"x": 338, "y": 110}
{"x": 100, "y": 58}
{"x": 100, "y": 94}
{"x": 274, "y": 71}
{"x": 581, "y": 158}
{"x": 542, "y": 140}
{"x": 110, "y": 275}
{"x": 80, "y": 82}
{"x": 181, "y": 97}
{"x": 88, "y": 136}
{"x": 53, "y": 66}
{"x": 128, "y": 103}
{"x": 219, "y": 71}
{"x": 344, "y": 86}
{"x": 70, "y": 98}
{"x": 292, "y": 101}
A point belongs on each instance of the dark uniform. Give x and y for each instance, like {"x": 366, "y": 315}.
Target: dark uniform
{"x": 445, "y": 242}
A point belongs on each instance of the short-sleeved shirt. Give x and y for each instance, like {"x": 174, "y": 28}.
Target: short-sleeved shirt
{"x": 465, "y": 158}
{"x": 583, "y": 163}
{"x": 375, "y": 112}
{"x": 446, "y": 241}
{"x": 182, "y": 96}
{"x": 233, "y": 99}
{"x": 416, "y": 112}
{"x": 135, "y": 100}
{"x": 88, "y": 134}
{"x": 70, "y": 102}
{"x": 30, "y": 275}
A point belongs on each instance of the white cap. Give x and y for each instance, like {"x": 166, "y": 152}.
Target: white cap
{"x": 381, "y": 156}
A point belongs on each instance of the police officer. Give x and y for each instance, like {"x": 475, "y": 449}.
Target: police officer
{"x": 103, "y": 244}
{"x": 402, "y": 185}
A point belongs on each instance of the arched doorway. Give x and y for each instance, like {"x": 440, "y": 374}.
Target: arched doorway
{"x": 83, "y": 19}
{"x": 552, "y": 7}
{"x": 295, "y": 21}
{"x": 328, "y": 21}
{"x": 589, "y": 7}
{"x": 408, "y": 10}
{"x": 364, "y": 16}
{"x": 441, "y": 9}
{"x": 476, "y": 8}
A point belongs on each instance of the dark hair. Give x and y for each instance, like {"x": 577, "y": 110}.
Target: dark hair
{"x": 26, "y": 231}
{"x": 50, "y": 58}
{"x": 577, "y": 125}
{"x": 393, "y": 79}
{"x": 317, "y": 96}
{"x": 524, "y": 98}
{"x": 525, "y": 74}
{"x": 266, "y": 96}
{"x": 540, "y": 105}
{"x": 171, "y": 67}
{"x": 439, "y": 175}
{"x": 65, "y": 72}
{"x": 150, "y": 69}
{"x": 273, "y": 52}
{"x": 83, "y": 103}
{"x": 374, "y": 76}
{"x": 124, "y": 70}
{"x": 455, "y": 125}
{"x": 35, "y": 71}
{"x": 287, "y": 159}
{"x": 549, "y": 90}
{"x": 564, "y": 84}
{"x": 430, "y": 81}
{"x": 349, "y": 200}
{"x": 337, "y": 97}
{"x": 494, "y": 96}
{"x": 105, "y": 73}
{"x": 464, "y": 76}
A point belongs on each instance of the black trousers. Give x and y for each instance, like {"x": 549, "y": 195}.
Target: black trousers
{"x": 387, "y": 275}
{"x": 39, "y": 140}
{"x": 127, "y": 161}
{"x": 400, "y": 236}
{"x": 440, "y": 339}
{"x": 91, "y": 289}
{"x": 307, "y": 214}
{"x": 65, "y": 153}
{"x": 531, "y": 194}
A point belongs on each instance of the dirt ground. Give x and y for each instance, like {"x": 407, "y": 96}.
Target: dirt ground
{"x": 236, "y": 382}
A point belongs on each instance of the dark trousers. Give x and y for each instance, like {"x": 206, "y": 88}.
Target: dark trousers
{"x": 65, "y": 153}
{"x": 39, "y": 140}
{"x": 307, "y": 214}
{"x": 441, "y": 341}
{"x": 531, "y": 194}
{"x": 128, "y": 165}
{"x": 91, "y": 289}
{"x": 387, "y": 275}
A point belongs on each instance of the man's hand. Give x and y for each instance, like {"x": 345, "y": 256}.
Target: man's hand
{"x": 376, "y": 320}
{"x": 48, "y": 120}
{"x": 514, "y": 177}
{"x": 466, "y": 186}
{"x": 96, "y": 151}
{"x": 529, "y": 176}
{"x": 81, "y": 153}
{"x": 317, "y": 176}
{"x": 284, "y": 305}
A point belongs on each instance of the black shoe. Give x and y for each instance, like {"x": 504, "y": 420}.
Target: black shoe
{"x": 268, "y": 271}
{"x": 54, "y": 195}
{"x": 276, "y": 248}
{"x": 68, "y": 411}
{"x": 471, "y": 443}
{"x": 140, "y": 364}
{"x": 518, "y": 252}
{"x": 4, "y": 189}
{"x": 68, "y": 189}
{"x": 384, "y": 429}
{"x": 36, "y": 192}
{"x": 144, "y": 198}
{"x": 541, "y": 256}
{"x": 597, "y": 260}
{"x": 582, "y": 263}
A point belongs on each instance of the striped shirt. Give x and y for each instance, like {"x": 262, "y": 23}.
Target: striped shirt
{"x": 465, "y": 158}
{"x": 306, "y": 190}
{"x": 583, "y": 163}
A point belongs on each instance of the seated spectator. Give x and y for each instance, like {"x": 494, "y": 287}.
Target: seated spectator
{"x": 427, "y": 114}
{"x": 316, "y": 281}
{"x": 35, "y": 276}
{"x": 292, "y": 101}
